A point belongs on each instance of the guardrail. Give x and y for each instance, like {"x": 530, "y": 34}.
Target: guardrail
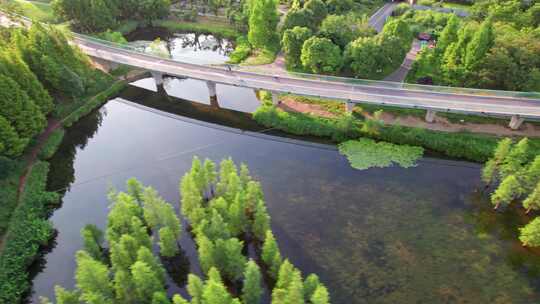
{"x": 535, "y": 96}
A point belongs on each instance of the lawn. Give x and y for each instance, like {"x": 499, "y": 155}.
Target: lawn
{"x": 39, "y": 11}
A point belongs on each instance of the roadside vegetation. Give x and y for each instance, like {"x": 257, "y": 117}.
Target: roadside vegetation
{"x": 498, "y": 47}
{"x": 513, "y": 174}
{"x": 225, "y": 211}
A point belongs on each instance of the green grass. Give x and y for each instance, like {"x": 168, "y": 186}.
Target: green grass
{"x": 11, "y": 171}
{"x": 461, "y": 145}
{"x": 52, "y": 144}
{"x": 260, "y": 57}
{"x": 28, "y": 230}
{"x": 35, "y": 10}
{"x": 218, "y": 29}
{"x": 459, "y": 6}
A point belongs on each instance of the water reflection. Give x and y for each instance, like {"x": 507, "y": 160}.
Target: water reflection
{"x": 192, "y": 47}
{"x": 392, "y": 235}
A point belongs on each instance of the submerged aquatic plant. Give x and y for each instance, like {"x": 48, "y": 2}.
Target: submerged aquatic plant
{"x": 367, "y": 153}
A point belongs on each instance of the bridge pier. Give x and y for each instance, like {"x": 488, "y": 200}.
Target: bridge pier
{"x": 211, "y": 89}
{"x": 349, "y": 106}
{"x": 158, "y": 78}
{"x": 430, "y": 116}
{"x": 275, "y": 98}
{"x": 515, "y": 122}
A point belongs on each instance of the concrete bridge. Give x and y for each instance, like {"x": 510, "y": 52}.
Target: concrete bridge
{"x": 517, "y": 106}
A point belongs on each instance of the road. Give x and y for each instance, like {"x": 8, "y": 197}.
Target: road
{"x": 375, "y": 92}
{"x": 378, "y": 19}
{"x": 400, "y": 74}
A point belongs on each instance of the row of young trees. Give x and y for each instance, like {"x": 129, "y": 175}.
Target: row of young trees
{"x": 227, "y": 207}
{"x": 322, "y": 42}
{"x": 495, "y": 52}
{"x": 516, "y": 173}
{"x": 222, "y": 208}
{"x": 100, "y": 15}
{"x": 35, "y": 64}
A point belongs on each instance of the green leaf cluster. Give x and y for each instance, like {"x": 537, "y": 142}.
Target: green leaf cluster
{"x": 366, "y": 153}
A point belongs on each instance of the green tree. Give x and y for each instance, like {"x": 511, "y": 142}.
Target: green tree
{"x": 92, "y": 279}
{"x": 263, "y": 20}
{"x": 338, "y": 29}
{"x": 292, "y": 42}
{"x": 489, "y": 172}
{"x": 124, "y": 287}
{"x": 320, "y": 296}
{"x": 319, "y": 9}
{"x": 320, "y": 55}
{"x": 295, "y": 290}
{"x": 516, "y": 159}
{"x": 271, "y": 255}
{"x": 66, "y": 297}
{"x": 229, "y": 259}
{"x": 146, "y": 282}
{"x": 252, "y": 290}
{"x": 195, "y": 288}
{"x": 339, "y": 7}
{"x": 509, "y": 190}
{"x": 145, "y": 255}
{"x": 261, "y": 221}
{"x": 310, "y": 285}
{"x": 480, "y": 44}
{"x": 160, "y": 298}
{"x": 92, "y": 240}
{"x": 532, "y": 202}
{"x": 167, "y": 243}
{"x": 530, "y": 234}
{"x": 299, "y": 17}
{"x": 124, "y": 252}
{"x": 363, "y": 57}
{"x": 215, "y": 292}
{"x": 151, "y": 10}
{"x": 177, "y": 299}
{"x": 11, "y": 64}
{"x": 285, "y": 275}
{"x": 19, "y": 110}
{"x": 135, "y": 188}
{"x": 10, "y": 143}
{"x": 448, "y": 36}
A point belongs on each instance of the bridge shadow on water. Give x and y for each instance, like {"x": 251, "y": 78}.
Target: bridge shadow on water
{"x": 211, "y": 115}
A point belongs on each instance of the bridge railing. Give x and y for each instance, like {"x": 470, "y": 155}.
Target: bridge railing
{"x": 354, "y": 82}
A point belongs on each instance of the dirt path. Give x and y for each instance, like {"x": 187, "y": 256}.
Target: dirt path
{"x": 289, "y": 104}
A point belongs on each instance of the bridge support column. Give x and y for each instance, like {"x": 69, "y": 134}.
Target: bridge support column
{"x": 430, "y": 116}
{"x": 515, "y": 122}
{"x": 158, "y": 78}
{"x": 275, "y": 98}
{"x": 349, "y": 106}
{"x": 211, "y": 89}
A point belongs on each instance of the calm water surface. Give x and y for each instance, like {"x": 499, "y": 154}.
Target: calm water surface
{"x": 393, "y": 235}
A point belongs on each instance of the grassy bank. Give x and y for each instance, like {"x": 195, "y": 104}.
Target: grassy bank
{"x": 28, "y": 230}
{"x": 24, "y": 227}
{"x": 463, "y": 145}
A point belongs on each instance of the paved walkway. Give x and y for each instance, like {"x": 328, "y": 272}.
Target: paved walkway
{"x": 400, "y": 74}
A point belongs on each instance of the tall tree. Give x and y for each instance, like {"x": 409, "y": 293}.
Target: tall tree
{"x": 92, "y": 240}
{"x": 320, "y": 296}
{"x": 167, "y": 243}
{"x": 321, "y": 55}
{"x": 509, "y": 190}
{"x": 146, "y": 282}
{"x": 480, "y": 44}
{"x": 292, "y": 42}
{"x": 92, "y": 279}
{"x": 252, "y": 290}
{"x": 263, "y": 22}
{"x": 530, "y": 234}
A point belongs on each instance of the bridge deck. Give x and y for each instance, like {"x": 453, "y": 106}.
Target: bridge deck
{"x": 402, "y": 97}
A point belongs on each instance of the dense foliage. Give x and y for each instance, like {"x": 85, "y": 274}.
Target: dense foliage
{"x": 222, "y": 208}
{"x": 27, "y": 232}
{"x": 100, "y": 15}
{"x": 327, "y": 37}
{"x": 515, "y": 169}
{"x": 36, "y": 64}
{"x": 499, "y": 48}
{"x": 365, "y": 153}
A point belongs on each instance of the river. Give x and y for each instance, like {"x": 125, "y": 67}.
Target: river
{"x": 392, "y": 235}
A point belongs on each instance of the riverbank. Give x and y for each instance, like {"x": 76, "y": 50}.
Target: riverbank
{"x": 29, "y": 204}
{"x": 307, "y": 116}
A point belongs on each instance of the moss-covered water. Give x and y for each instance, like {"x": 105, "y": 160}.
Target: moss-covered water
{"x": 382, "y": 235}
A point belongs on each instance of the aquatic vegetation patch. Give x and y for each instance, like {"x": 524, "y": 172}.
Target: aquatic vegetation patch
{"x": 367, "y": 153}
